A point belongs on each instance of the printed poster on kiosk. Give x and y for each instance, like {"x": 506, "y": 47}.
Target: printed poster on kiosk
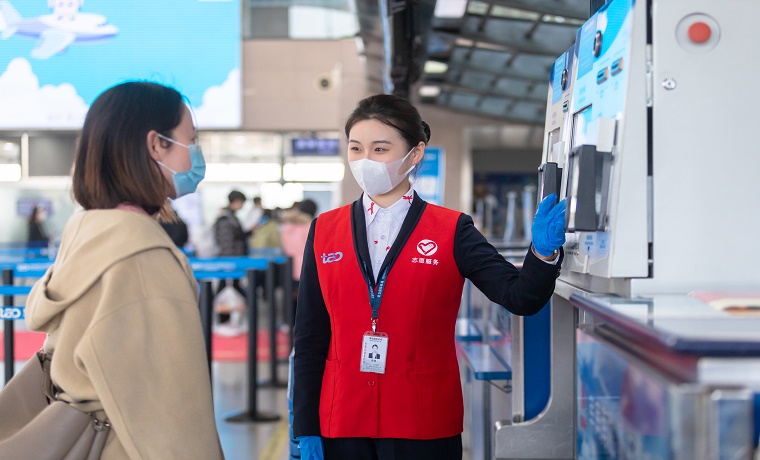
{"x": 57, "y": 56}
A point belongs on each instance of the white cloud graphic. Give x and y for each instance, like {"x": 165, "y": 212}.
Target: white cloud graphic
{"x": 221, "y": 105}
{"x": 26, "y": 105}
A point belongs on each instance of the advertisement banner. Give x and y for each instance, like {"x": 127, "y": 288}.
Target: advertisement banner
{"x": 56, "y": 57}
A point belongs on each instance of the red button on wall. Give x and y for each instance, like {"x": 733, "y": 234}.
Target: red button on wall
{"x": 699, "y": 32}
{"x": 371, "y": 383}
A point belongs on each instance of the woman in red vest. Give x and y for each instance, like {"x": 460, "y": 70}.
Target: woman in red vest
{"x": 376, "y": 374}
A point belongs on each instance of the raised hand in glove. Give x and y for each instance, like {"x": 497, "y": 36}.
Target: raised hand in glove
{"x": 549, "y": 226}
{"x": 310, "y": 447}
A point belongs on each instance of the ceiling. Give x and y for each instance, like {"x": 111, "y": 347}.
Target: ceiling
{"x": 488, "y": 57}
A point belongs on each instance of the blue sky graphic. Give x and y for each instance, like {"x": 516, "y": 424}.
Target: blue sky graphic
{"x": 189, "y": 44}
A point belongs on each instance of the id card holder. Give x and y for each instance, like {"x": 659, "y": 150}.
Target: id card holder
{"x": 374, "y": 352}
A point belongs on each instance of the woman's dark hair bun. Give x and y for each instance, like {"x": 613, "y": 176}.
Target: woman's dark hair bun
{"x": 426, "y": 130}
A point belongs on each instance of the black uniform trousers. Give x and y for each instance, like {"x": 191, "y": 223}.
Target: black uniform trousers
{"x": 393, "y": 449}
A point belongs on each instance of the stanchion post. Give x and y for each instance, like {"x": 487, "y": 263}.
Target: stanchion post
{"x": 287, "y": 286}
{"x": 270, "y": 288}
{"x": 8, "y": 339}
{"x": 251, "y": 414}
{"x": 272, "y": 321}
{"x": 206, "y": 309}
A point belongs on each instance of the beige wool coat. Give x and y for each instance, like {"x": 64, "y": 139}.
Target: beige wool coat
{"x": 120, "y": 309}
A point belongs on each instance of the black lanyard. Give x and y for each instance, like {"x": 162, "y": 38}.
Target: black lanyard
{"x": 375, "y": 297}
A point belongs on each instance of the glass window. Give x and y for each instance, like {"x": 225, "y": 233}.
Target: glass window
{"x": 10, "y": 159}
{"x": 299, "y": 19}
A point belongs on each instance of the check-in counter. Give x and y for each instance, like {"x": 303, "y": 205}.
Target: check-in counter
{"x": 505, "y": 368}
{"x": 667, "y": 377}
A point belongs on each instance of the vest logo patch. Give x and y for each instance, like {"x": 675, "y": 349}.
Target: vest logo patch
{"x": 427, "y": 247}
{"x": 331, "y": 257}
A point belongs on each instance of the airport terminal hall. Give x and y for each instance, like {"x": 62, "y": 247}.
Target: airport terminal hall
{"x": 379, "y": 230}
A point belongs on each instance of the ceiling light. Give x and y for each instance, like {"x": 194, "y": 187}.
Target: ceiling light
{"x": 450, "y": 8}
{"x": 242, "y": 172}
{"x": 430, "y": 91}
{"x": 477, "y": 7}
{"x": 314, "y": 172}
{"x": 436, "y": 67}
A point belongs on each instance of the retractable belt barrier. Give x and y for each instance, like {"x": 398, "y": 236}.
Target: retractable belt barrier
{"x": 207, "y": 270}
{"x": 16, "y": 265}
{"x": 28, "y": 253}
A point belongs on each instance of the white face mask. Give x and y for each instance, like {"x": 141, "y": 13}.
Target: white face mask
{"x": 376, "y": 177}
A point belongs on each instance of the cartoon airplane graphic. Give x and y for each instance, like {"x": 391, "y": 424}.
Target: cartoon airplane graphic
{"x": 53, "y": 31}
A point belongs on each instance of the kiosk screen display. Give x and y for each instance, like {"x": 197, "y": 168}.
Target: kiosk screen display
{"x": 582, "y": 128}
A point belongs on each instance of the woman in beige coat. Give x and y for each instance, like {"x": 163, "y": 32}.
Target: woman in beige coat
{"x": 120, "y": 303}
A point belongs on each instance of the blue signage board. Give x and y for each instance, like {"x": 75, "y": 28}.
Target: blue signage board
{"x": 25, "y": 205}
{"x": 315, "y": 147}
{"x": 430, "y": 180}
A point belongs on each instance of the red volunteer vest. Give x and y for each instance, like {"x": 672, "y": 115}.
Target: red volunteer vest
{"x": 420, "y": 394}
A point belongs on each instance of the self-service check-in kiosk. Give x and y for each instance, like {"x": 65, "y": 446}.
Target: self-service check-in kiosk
{"x": 655, "y": 326}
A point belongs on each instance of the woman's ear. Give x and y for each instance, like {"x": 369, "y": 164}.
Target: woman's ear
{"x": 419, "y": 152}
{"x": 153, "y": 142}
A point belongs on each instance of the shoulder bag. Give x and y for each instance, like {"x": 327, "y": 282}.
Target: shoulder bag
{"x": 35, "y": 425}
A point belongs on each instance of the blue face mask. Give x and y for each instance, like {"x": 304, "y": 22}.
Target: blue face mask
{"x": 186, "y": 182}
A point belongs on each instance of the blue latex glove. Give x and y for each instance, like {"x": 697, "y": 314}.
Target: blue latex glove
{"x": 311, "y": 447}
{"x": 549, "y": 226}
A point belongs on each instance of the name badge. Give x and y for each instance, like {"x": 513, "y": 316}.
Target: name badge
{"x": 374, "y": 352}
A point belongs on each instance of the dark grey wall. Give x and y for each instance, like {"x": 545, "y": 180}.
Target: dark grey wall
{"x": 266, "y": 22}
{"x": 506, "y": 161}
{"x": 51, "y": 155}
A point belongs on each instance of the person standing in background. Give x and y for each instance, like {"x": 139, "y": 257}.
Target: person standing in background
{"x": 176, "y": 229}
{"x": 231, "y": 239}
{"x": 294, "y": 232}
{"x": 120, "y": 303}
{"x": 254, "y": 215}
{"x": 37, "y": 235}
{"x": 266, "y": 234}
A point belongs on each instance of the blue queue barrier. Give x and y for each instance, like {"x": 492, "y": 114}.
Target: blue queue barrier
{"x": 251, "y": 412}
{"x": 26, "y": 268}
{"x": 236, "y": 267}
{"x": 204, "y": 270}
{"x": 22, "y": 252}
